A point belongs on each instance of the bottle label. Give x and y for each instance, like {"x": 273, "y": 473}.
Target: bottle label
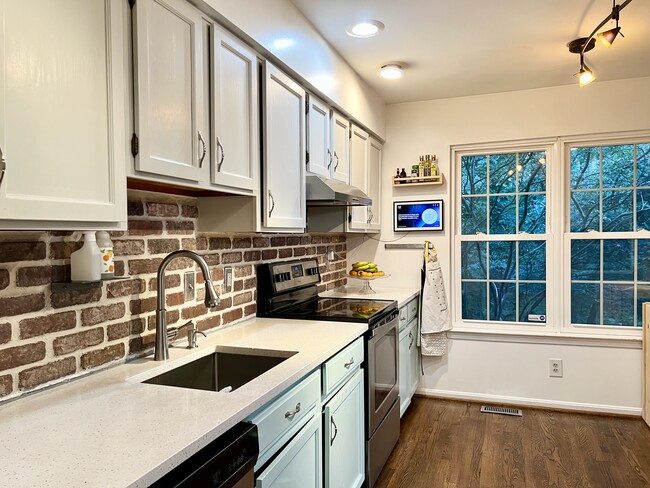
{"x": 108, "y": 266}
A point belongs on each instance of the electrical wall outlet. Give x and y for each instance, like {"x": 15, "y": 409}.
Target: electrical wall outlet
{"x": 189, "y": 285}
{"x": 330, "y": 255}
{"x": 555, "y": 368}
{"x": 227, "y": 279}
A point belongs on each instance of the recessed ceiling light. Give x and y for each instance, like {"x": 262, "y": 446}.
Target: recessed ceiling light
{"x": 365, "y": 28}
{"x": 390, "y": 71}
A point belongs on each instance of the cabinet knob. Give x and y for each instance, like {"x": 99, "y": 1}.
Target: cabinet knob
{"x": 336, "y": 156}
{"x": 291, "y": 414}
{"x": 411, "y": 337}
{"x": 349, "y": 363}
{"x": 220, "y": 148}
{"x": 336, "y": 430}
{"x": 272, "y": 203}
{"x": 329, "y": 158}
{"x": 204, "y": 150}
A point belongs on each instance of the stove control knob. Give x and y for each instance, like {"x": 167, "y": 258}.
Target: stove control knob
{"x": 278, "y": 278}
{"x": 312, "y": 271}
{"x": 286, "y": 276}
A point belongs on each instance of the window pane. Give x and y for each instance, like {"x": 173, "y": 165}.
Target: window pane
{"x": 503, "y": 260}
{"x": 502, "y": 173}
{"x": 618, "y": 260}
{"x": 474, "y": 215}
{"x": 474, "y": 301}
{"x": 502, "y": 215}
{"x": 585, "y": 167}
{"x": 585, "y": 260}
{"x": 532, "y": 214}
{"x": 618, "y": 304}
{"x": 585, "y": 303}
{"x": 618, "y": 166}
{"x": 473, "y": 260}
{"x": 643, "y": 165}
{"x": 474, "y": 175}
{"x": 643, "y": 263}
{"x": 503, "y": 301}
{"x": 643, "y": 295}
{"x": 532, "y": 300}
{"x": 643, "y": 209}
{"x": 532, "y": 176}
{"x": 617, "y": 211}
{"x": 532, "y": 260}
{"x": 585, "y": 211}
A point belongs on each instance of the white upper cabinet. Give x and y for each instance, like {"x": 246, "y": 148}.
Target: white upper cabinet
{"x": 63, "y": 122}
{"x": 235, "y": 113}
{"x": 340, "y": 147}
{"x": 374, "y": 183}
{"x": 359, "y": 176}
{"x": 318, "y": 137}
{"x": 283, "y": 180}
{"x": 169, "y": 91}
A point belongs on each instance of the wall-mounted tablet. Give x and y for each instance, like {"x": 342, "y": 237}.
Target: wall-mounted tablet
{"x": 425, "y": 215}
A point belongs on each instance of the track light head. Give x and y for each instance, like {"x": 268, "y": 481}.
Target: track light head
{"x": 585, "y": 76}
{"x": 607, "y": 37}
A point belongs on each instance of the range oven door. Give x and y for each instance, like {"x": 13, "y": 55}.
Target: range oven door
{"x": 383, "y": 388}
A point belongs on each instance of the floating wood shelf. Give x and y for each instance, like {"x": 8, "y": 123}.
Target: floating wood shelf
{"x": 418, "y": 181}
{"x": 62, "y": 286}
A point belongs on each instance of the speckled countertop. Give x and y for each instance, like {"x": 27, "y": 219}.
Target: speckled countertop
{"x": 383, "y": 292}
{"x": 110, "y": 430}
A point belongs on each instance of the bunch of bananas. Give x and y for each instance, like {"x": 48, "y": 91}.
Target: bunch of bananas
{"x": 365, "y": 269}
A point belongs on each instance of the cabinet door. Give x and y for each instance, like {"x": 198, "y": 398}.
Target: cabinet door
{"x": 374, "y": 184}
{"x": 343, "y": 418}
{"x": 359, "y": 176}
{"x": 235, "y": 113}
{"x": 318, "y": 138}
{"x": 404, "y": 371}
{"x": 414, "y": 359}
{"x": 63, "y": 109}
{"x": 169, "y": 89}
{"x": 341, "y": 148}
{"x": 299, "y": 463}
{"x": 284, "y": 152}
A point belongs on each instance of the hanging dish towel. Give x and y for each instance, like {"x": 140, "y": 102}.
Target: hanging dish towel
{"x": 435, "y": 313}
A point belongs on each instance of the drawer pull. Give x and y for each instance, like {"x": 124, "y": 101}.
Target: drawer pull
{"x": 290, "y": 414}
{"x": 411, "y": 337}
{"x": 336, "y": 430}
{"x": 349, "y": 363}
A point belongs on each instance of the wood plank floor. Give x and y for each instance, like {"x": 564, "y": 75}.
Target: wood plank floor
{"x": 449, "y": 444}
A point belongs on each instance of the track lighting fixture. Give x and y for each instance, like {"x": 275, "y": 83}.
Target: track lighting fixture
{"x": 585, "y": 44}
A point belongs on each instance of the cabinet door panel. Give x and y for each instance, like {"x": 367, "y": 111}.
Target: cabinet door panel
{"x": 358, "y": 176}
{"x": 168, "y": 37}
{"x": 404, "y": 371}
{"x": 374, "y": 184}
{"x": 62, "y": 104}
{"x": 318, "y": 136}
{"x": 341, "y": 148}
{"x": 343, "y": 418}
{"x": 235, "y": 95}
{"x": 414, "y": 360}
{"x": 284, "y": 169}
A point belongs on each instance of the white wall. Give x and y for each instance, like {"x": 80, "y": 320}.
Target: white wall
{"x": 476, "y": 367}
{"x": 280, "y": 28}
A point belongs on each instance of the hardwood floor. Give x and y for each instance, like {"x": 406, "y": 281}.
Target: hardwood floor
{"x": 449, "y": 444}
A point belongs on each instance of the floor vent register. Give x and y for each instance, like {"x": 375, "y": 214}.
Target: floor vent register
{"x": 502, "y": 410}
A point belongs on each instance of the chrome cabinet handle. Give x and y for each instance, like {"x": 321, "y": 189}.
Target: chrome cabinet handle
{"x": 3, "y": 166}
{"x": 411, "y": 337}
{"x": 349, "y": 363}
{"x": 272, "y": 203}
{"x": 289, "y": 414}
{"x": 220, "y": 148}
{"x": 336, "y": 430}
{"x": 336, "y": 156}
{"x": 205, "y": 150}
{"x": 329, "y": 158}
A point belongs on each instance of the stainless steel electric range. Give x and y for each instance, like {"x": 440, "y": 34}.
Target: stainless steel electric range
{"x": 289, "y": 290}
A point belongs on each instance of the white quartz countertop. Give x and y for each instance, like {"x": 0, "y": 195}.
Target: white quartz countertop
{"x": 402, "y": 294}
{"x": 110, "y": 430}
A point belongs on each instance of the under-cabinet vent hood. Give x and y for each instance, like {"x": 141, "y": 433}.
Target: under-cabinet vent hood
{"x": 326, "y": 192}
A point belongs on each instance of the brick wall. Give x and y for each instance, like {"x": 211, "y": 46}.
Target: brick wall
{"x": 46, "y": 337}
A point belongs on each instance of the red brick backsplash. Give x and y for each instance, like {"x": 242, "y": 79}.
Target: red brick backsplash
{"x": 47, "y": 337}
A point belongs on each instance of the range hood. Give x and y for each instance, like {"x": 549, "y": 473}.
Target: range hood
{"x": 326, "y": 192}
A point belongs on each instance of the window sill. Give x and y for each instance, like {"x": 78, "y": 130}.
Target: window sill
{"x": 546, "y": 337}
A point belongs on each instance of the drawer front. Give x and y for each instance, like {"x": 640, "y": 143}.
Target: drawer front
{"x": 412, "y": 307}
{"x": 341, "y": 366}
{"x": 403, "y": 316}
{"x": 287, "y": 411}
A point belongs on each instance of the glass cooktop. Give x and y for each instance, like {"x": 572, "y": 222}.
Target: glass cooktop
{"x": 339, "y": 309}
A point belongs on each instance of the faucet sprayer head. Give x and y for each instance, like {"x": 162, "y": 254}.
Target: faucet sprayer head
{"x": 211, "y": 297}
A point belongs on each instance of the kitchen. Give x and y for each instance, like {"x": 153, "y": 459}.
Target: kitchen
{"x": 183, "y": 194}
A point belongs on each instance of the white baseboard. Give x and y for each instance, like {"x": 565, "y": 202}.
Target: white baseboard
{"x": 530, "y": 402}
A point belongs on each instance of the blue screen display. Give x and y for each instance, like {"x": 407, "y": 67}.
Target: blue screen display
{"x": 418, "y": 216}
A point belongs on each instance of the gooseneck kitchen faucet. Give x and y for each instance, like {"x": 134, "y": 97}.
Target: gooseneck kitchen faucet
{"x": 161, "y": 351}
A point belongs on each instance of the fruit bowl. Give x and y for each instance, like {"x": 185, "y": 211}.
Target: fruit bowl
{"x": 366, "y": 271}
{"x": 367, "y": 289}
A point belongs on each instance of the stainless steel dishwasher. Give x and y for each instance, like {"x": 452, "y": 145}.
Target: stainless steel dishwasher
{"x": 226, "y": 462}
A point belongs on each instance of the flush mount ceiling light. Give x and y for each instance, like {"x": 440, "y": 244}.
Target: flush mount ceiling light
{"x": 585, "y": 44}
{"x": 390, "y": 71}
{"x": 365, "y": 28}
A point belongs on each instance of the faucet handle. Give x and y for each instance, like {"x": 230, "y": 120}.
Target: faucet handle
{"x": 172, "y": 332}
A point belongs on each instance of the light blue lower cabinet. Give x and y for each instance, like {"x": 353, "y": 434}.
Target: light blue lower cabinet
{"x": 299, "y": 464}
{"x": 343, "y": 427}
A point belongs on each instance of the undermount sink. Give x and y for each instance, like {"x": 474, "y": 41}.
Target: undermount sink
{"x": 226, "y": 369}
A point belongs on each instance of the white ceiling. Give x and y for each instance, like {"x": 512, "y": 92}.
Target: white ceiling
{"x": 470, "y": 47}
